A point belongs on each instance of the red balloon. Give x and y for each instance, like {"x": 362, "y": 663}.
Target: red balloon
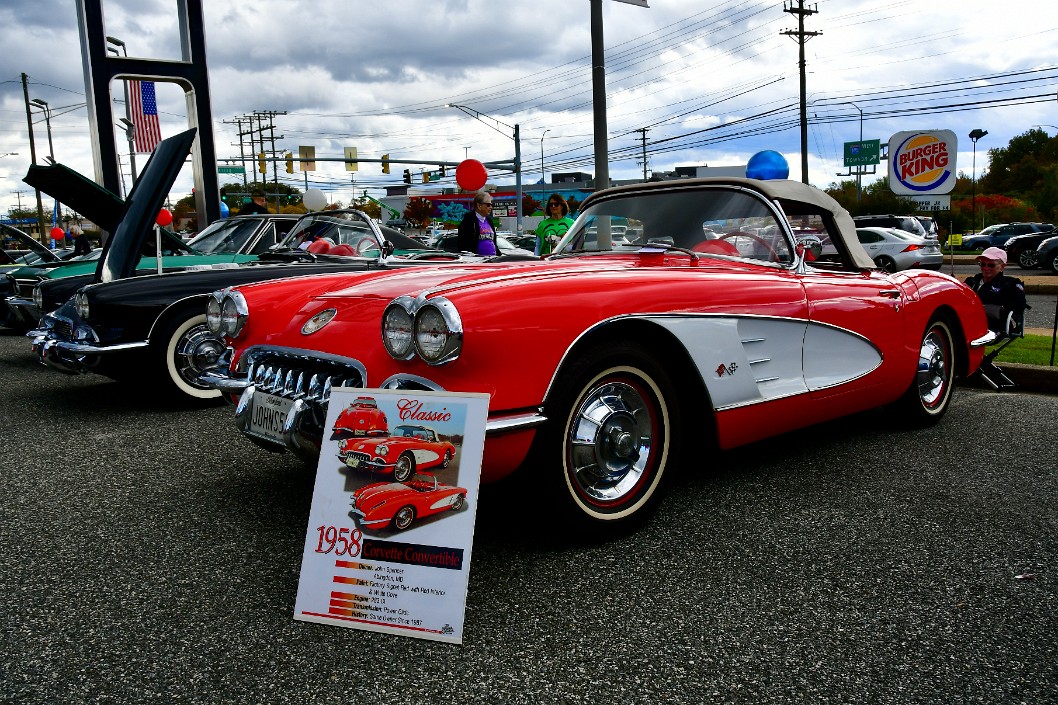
{"x": 471, "y": 175}
{"x": 57, "y": 233}
{"x": 165, "y": 217}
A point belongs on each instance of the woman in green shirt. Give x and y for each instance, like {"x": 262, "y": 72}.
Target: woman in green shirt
{"x": 554, "y": 226}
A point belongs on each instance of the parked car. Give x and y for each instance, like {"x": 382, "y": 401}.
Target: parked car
{"x": 245, "y": 234}
{"x": 151, "y": 328}
{"x": 398, "y": 504}
{"x": 1047, "y": 254}
{"x": 409, "y": 449}
{"x": 908, "y": 223}
{"x": 930, "y": 226}
{"x": 641, "y": 346}
{"x": 896, "y": 250}
{"x": 9, "y": 285}
{"x": 997, "y": 235}
{"x": 449, "y": 242}
{"x": 362, "y": 418}
{"x": 19, "y": 249}
{"x": 1023, "y": 248}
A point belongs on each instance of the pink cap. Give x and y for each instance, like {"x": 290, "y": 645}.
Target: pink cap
{"x": 993, "y": 253}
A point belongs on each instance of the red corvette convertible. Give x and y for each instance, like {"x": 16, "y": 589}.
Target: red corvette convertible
{"x": 411, "y": 448}
{"x": 398, "y": 504}
{"x": 359, "y": 419}
{"x": 708, "y": 321}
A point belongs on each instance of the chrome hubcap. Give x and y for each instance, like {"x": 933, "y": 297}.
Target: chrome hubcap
{"x": 610, "y": 441}
{"x": 933, "y": 369}
{"x": 197, "y": 350}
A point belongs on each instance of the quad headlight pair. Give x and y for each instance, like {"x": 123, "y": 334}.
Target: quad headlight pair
{"x": 430, "y": 329}
{"x": 226, "y": 313}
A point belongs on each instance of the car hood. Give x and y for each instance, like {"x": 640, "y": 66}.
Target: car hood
{"x": 129, "y": 222}
{"x": 25, "y": 242}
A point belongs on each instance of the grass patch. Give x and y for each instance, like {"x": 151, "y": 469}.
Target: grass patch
{"x": 1030, "y": 350}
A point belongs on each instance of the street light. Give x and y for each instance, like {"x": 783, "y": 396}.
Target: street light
{"x": 543, "y": 178}
{"x": 477, "y": 115}
{"x": 1053, "y": 127}
{"x": 43, "y": 104}
{"x": 9, "y": 154}
{"x": 975, "y": 135}
{"x": 130, "y": 127}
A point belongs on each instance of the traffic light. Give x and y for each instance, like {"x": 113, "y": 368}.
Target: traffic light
{"x": 385, "y": 163}
{"x": 261, "y": 166}
{"x": 407, "y": 176}
{"x": 290, "y": 162}
{"x": 442, "y": 171}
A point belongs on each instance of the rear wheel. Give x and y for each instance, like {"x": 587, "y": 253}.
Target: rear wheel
{"x": 403, "y": 518}
{"x": 404, "y": 468}
{"x": 182, "y": 350}
{"x": 928, "y": 397}
{"x": 1054, "y": 263}
{"x": 609, "y": 442}
{"x": 1027, "y": 258}
{"x": 886, "y": 263}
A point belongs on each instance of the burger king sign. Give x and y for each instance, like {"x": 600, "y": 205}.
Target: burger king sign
{"x": 922, "y": 162}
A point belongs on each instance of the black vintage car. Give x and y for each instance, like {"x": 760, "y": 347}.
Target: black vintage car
{"x": 151, "y": 328}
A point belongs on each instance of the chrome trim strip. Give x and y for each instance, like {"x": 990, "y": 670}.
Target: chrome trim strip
{"x": 91, "y": 349}
{"x": 518, "y": 422}
{"x": 986, "y": 339}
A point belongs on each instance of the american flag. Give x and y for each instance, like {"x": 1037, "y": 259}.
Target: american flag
{"x": 145, "y": 115}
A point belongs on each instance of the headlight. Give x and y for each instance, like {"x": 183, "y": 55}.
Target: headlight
{"x": 398, "y": 330}
{"x": 80, "y": 302}
{"x": 438, "y": 332}
{"x": 382, "y": 449}
{"x": 226, "y": 313}
{"x": 38, "y": 297}
{"x": 213, "y": 315}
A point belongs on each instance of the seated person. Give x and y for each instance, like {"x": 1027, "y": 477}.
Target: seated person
{"x": 1000, "y": 294}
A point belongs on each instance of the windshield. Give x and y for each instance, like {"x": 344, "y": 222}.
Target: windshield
{"x": 225, "y": 236}
{"x": 709, "y": 221}
{"x": 334, "y": 232}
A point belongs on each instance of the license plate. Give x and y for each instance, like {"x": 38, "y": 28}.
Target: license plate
{"x": 268, "y": 416}
{"x": 353, "y": 462}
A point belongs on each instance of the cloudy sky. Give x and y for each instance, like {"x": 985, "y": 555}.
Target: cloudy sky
{"x": 708, "y": 82}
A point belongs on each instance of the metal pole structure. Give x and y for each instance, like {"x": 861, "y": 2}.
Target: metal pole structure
{"x": 543, "y": 177}
{"x": 859, "y": 167}
{"x": 130, "y": 126}
{"x": 802, "y": 36}
{"x": 598, "y": 92}
{"x": 47, "y": 120}
{"x": 975, "y": 135}
{"x": 33, "y": 157}
{"x": 477, "y": 115}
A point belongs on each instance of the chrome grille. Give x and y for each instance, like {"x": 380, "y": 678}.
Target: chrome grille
{"x": 300, "y": 375}
{"x": 62, "y": 327}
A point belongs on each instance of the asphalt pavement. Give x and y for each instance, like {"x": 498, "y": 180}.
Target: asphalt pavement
{"x": 149, "y": 554}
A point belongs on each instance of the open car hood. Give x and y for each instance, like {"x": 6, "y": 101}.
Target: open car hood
{"x": 25, "y": 242}
{"x": 129, "y": 222}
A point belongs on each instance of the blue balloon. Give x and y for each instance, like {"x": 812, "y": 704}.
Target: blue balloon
{"x": 224, "y": 210}
{"x": 768, "y": 164}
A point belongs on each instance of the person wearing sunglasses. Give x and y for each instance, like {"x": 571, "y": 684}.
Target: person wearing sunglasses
{"x": 477, "y": 232}
{"x": 1000, "y": 294}
{"x": 554, "y": 225}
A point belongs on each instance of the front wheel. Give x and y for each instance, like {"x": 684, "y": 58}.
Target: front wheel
{"x": 609, "y": 442}
{"x": 403, "y": 518}
{"x": 183, "y": 349}
{"x": 1054, "y": 263}
{"x": 404, "y": 468}
{"x": 928, "y": 397}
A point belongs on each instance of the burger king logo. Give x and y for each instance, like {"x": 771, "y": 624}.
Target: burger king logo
{"x": 922, "y": 162}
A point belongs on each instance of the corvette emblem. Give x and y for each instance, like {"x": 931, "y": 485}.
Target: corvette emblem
{"x": 728, "y": 369}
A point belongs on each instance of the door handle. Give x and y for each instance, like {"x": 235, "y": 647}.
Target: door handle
{"x": 890, "y": 293}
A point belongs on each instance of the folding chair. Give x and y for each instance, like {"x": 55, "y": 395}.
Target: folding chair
{"x": 1010, "y": 328}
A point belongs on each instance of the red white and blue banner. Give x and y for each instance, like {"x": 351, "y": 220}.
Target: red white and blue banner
{"x": 144, "y": 115}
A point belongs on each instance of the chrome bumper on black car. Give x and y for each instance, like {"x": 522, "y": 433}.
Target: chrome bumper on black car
{"x": 63, "y": 345}
{"x": 23, "y": 311}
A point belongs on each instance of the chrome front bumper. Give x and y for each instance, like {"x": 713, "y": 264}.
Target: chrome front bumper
{"x": 55, "y": 349}
{"x": 24, "y": 311}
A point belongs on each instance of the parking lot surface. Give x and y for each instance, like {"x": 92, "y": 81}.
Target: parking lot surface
{"x": 150, "y": 555}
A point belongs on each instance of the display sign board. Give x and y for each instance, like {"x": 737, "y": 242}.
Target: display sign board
{"x": 922, "y": 162}
{"x": 862, "y": 153}
{"x": 932, "y": 202}
{"x": 391, "y": 527}
{"x": 307, "y": 155}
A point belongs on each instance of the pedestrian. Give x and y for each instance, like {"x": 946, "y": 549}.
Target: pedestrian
{"x": 256, "y": 204}
{"x": 1001, "y": 295}
{"x": 554, "y": 226}
{"x": 476, "y": 232}
{"x": 81, "y": 245}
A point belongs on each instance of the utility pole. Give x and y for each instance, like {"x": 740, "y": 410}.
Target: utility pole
{"x": 33, "y": 158}
{"x": 242, "y": 153}
{"x": 802, "y": 36}
{"x": 643, "y": 137}
{"x": 271, "y": 114}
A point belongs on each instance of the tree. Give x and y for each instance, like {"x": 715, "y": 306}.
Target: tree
{"x": 419, "y": 212}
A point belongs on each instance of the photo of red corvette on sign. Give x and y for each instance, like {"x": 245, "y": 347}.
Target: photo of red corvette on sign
{"x": 391, "y": 526}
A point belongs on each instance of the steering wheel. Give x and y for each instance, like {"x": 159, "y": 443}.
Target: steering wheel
{"x": 756, "y": 238}
{"x": 364, "y": 244}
